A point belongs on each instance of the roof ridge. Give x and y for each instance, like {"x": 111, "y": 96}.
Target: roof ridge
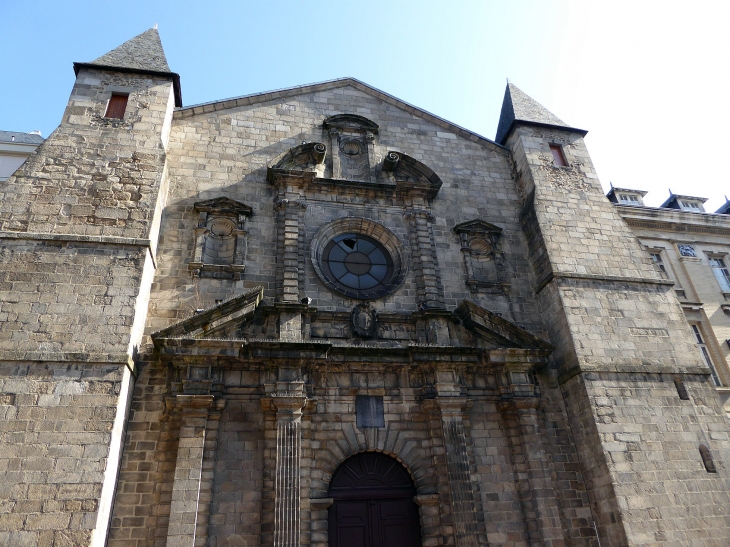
{"x": 254, "y": 98}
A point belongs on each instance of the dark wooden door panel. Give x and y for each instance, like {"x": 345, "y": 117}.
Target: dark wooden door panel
{"x": 350, "y": 524}
{"x": 373, "y": 504}
{"x": 396, "y": 522}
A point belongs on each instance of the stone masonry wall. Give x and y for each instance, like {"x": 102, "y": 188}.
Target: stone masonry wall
{"x": 94, "y": 175}
{"x": 73, "y": 297}
{"x": 581, "y": 232}
{"x": 76, "y": 265}
{"x": 621, "y": 339}
{"x": 55, "y": 428}
{"x": 650, "y": 439}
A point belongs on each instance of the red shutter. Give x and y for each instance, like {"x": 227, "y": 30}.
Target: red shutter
{"x": 117, "y": 106}
{"x": 558, "y": 158}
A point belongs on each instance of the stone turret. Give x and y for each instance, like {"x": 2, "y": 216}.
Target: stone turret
{"x": 621, "y": 343}
{"x": 78, "y": 230}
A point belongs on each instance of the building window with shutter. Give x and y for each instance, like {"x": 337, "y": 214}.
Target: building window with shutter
{"x": 721, "y": 273}
{"x": 558, "y": 156}
{"x": 116, "y": 107}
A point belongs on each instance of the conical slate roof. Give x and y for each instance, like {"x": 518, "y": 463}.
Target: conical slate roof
{"x": 143, "y": 52}
{"x": 518, "y": 107}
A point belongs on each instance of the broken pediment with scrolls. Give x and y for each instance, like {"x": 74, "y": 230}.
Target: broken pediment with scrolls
{"x": 248, "y": 321}
{"x": 349, "y": 157}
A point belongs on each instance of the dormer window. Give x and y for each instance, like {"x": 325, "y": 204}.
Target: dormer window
{"x": 629, "y": 199}
{"x": 558, "y": 156}
{"x": 690, "y": 205}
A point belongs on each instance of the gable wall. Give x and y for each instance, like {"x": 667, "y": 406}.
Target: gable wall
{"x": 225, "y": 154}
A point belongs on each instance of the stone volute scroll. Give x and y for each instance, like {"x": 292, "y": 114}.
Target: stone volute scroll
{"x": 413, "y": 178}
{"x": 483, "y": 256}
{"x": 304, "y": 160}
{"x": 220, "y": 239}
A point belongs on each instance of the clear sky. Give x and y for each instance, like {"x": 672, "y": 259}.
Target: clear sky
{"x": 649, "y": 80}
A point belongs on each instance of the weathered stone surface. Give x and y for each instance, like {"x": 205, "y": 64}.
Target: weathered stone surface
{"x": 187, "y": 249}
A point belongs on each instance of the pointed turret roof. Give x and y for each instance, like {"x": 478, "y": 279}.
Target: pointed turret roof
{"x": 518, "y": 107}
{"x": 143, "y": 54}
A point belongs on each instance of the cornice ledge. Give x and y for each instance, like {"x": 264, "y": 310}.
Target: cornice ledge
{"x": 76, "y": 238}
{"x": 598, "y": 277}
{"x": 585, "y": 368}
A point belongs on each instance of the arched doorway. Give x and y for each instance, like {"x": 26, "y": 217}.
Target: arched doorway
{"x": 373, "y": 504}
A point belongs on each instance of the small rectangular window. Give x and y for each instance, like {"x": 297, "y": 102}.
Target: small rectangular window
{"x": 558, "y": 157}
{"x": 116, "y": 107}
{"x": 691, "y": 206}
{"x": 659, "y": 263}
{"x": 628, "y": 198}
{"x": 721, "y": 273}
{"x": 705, "y": 354}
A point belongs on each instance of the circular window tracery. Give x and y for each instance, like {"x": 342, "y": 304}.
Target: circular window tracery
{"x": 358, "y": 258}
{"x": 356, "y": 262}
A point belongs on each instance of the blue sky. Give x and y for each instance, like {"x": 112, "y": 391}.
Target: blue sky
{"x": 649, "y": 80}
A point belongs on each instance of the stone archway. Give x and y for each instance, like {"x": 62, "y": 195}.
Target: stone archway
{"x": 373, "y": 504}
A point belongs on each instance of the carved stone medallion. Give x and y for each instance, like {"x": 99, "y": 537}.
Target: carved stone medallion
{"x": 363, "y": 320}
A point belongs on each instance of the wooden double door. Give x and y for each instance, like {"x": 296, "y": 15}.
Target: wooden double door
{"x": 373, "y": 504}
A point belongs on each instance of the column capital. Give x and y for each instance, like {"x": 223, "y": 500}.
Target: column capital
{"x": 194, "y": 402}
{"x": 288, "y": 403}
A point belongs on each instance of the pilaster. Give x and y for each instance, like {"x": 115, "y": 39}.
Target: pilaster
{"x": 519, "y": 404}
{"x": 450, "y": 407}
{"x": 425, "y": 263}
{"x": 184, "y": 506}
{"x": 286, "y": 402}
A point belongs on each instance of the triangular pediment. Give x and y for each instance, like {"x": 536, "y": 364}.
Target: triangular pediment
{"x": 217, "y": 321}
{"x": 223, "y": 205}
{"x": 477, "y": 227}
{"x": 499, "y": 331}
{"x": 234, "y": 319}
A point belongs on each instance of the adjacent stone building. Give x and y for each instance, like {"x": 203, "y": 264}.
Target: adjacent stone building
{"x": 690, "y": 247}
{"x": 322, "y": 316}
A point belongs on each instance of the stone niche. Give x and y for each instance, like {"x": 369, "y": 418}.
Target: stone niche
{"x": 220, "y": 239}
{"x": 483, "y": 256}
{"x": 352, "y": 141}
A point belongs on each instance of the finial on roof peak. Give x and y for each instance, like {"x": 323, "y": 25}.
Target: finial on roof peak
{"x": 155, "y": 27}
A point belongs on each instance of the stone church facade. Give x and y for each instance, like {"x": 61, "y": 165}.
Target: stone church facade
{"x": 322, "y": 316}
